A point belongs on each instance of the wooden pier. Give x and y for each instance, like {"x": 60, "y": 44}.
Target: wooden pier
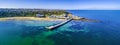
{"x": 58, "y": 25}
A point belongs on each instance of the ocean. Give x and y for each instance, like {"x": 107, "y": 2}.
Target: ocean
{"x": 33, "y": 32}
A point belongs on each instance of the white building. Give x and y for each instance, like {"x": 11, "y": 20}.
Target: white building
{"x": 39, "y": 15}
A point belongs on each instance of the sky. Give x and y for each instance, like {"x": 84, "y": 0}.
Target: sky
{"x": 62, "y": 4}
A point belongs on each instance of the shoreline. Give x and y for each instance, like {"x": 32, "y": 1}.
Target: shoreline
{"x": 30, "y": 18}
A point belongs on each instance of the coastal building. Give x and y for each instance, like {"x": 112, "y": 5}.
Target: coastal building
{"x": 53, "y": 16}
{"x": 76, "y": 17}
{"x": 58, "y": 16}
{"x": 40, "y": 16}
{"x": 70, "y": 15}
{"x": 64, "y": 15}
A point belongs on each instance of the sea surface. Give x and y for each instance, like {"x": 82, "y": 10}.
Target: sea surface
{"x": 33, "y": 32}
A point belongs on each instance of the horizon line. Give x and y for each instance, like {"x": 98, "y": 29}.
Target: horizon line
{"x": 58, "y": 9}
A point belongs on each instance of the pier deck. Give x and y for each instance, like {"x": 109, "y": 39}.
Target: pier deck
{"x": 58, "y": 25}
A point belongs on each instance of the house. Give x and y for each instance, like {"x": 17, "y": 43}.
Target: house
{"x": 58, "y": 16}
{"x": 53, "y": 16}
{"x": 39, "y": 15}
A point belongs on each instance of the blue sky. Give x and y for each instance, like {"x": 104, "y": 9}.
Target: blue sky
{"x": 62, "y": 4}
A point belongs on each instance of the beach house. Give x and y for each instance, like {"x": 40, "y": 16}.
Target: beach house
{"x": 40, "y": 15}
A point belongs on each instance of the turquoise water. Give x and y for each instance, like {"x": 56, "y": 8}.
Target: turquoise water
{"x": 33, "y": 32}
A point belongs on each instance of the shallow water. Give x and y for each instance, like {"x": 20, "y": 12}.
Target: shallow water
{"x": 33, "y": 32}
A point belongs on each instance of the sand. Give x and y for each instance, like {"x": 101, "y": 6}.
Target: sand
{"x": 30, "y": 18}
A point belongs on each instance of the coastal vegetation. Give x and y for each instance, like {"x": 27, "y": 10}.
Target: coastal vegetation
{"x": 29, "y": 12}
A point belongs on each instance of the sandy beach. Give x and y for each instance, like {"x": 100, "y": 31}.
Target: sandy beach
{"x": 30, "y": 18}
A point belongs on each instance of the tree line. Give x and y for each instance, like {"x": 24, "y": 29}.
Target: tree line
{"x": 29, "y": 12}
